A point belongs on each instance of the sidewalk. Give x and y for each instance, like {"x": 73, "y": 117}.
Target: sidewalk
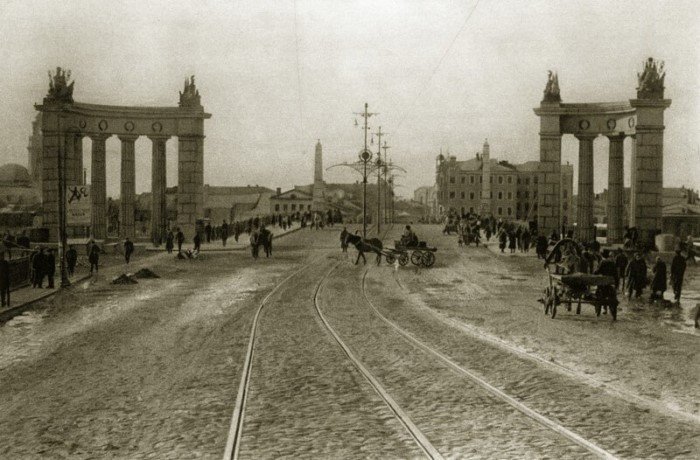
{"x": 111, "y": 265}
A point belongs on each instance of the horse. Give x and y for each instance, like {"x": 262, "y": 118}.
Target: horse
{"x": 261, "y": 238}
{"x": 369, "y": 245}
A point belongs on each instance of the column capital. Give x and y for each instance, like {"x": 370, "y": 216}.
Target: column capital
{"x": 158, "y": 137}
{"x": 586, "y": 136}
{"x": 619, "y": 137}
{"x": 128, "y": 137}
{"x": 99, "y": 136}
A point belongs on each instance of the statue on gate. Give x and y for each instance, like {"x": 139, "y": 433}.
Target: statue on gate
{"x": 190, "y": 96}
{"x": 551, "y": 91}
{"x": 651, "y": 80}
{"x": 59, "y": 89}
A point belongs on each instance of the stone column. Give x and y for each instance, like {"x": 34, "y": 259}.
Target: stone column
{"x": 98, "y": 187}
{"x": 584, "y": 221}
{"x": 128, "y": 187}
{"x": 190, "y": 183}
{"x": 51, "y": 147}
{"x": 158, "y": 184}
{"x": 616, "y": 189}
{"x": 549, "y": 184}
{"x": 78, "y": 176}
{"x": 647, "y": 167}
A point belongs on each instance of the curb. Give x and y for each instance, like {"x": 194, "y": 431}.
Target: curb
{"x": 21, "y": 308}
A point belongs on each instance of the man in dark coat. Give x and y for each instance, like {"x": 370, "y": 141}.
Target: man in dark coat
{"x": 207, "y": 232}
{"x": 607, "y": 267}
{"x": 94, "y": 258}
{"x": 224, "y": 233}
{"x": 678, "y": 265}
{"x": 621, "y": 262}
{"x": 636, "y": 276}
{"x": 4, "y": 280}
{"x": 128, "y": 249}
{"x": 180, "y": 237}
{"x": 658, "y": 282}
{"x": 50, "y": 267}
{"x": 502, "y": 240}
{"x": 71, "y": 259}
{"x": 197, "y": 242}
{"x": 38, "y": 267}
{"x": 541, "y": 245}
{"x": 169, "y": 242}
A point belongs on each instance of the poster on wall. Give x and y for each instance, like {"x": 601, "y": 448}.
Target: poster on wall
{"x": 78, "y": 206}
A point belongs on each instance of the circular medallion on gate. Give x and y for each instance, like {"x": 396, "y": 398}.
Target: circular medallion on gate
{"x": 157, "y": 127}
{"x": 584, "y": 124}
{"x": 102, "y": 125}
{"x": 129, "y": 126}
{"x": 631, "y": 122}
{"x": 611, "y": 124}
{"x": 82, "y": 124}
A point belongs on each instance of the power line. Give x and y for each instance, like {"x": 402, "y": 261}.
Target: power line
{"x": 435, "y": 69}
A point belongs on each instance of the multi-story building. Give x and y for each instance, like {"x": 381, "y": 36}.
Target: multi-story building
{"x": 487, "y": 186}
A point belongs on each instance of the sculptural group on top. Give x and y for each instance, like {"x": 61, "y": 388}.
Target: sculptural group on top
{"x": 59, "y": 89}
{"x": 190, "y": 96}
{"x": 551, "y": 90}
{"x": 650, "y": 83}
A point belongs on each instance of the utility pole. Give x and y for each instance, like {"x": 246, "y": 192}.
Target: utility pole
{"x": 379, "y": 135}
{"x": 386, "y": 186}
{"x": 365, "y": 156}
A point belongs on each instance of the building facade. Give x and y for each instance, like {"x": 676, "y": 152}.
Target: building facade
{"x": 427, "y": 196}
{"x": 490, "y": 187}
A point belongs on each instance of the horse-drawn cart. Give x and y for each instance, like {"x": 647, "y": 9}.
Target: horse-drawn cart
{"x": 420, "y": 255}
{"x": 580, "y": 288}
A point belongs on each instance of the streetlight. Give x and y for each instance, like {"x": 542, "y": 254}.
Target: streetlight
{"x": 365, "y": 157}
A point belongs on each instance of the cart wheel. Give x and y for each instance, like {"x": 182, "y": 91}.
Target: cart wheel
{"x": 554, "y": 309}
{"x": 403, "y": 259}
{"x": 428, "y": 259}
{"x": 416, "y": 258}
{"x": 390, "y": 259}
{"x": 547, "y": 300}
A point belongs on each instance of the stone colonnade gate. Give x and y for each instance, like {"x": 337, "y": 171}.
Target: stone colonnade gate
{"x": 642, "y": 119}
{"x": 65, "y": 123}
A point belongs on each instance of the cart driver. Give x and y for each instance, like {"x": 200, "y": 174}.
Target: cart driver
{"x": 409, "y": 237}
{"x": 570, "y": 261}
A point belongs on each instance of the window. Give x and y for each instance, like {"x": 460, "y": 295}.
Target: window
{"x": 277, "y": 207}
{"x": 294, "y": 207}
{"x": 491, "y": 179}
{"x": 463, "y": 179}
{"x": 566, "y": 193}
{"x": 510, "y": 179}
{"x": 500, "y": 211}
{"x": 527, "y": 207}
{"x": 462, "y": 210}
{"x": 462, "y": 195}
{"x": 481, "y": 179}
{"x": 510, "y": 195}
{"x": 471, "y": 195}
{"x": 517, "y": 194}
{"x": 500, "y": 179}
{"x": 500, "y": 195}
{"x": 308, "y": 207}
{"x": 517, "y": 207}
{"x": 518, "y": 181}
{"x": 471, "y": 210}
{"x": 471, "y": 179}
{"x": 536, "y": 179}
{"x": 452, "y": 194}
{"x": 491, "y": 195}
{"x": 527, "y": 181}
{"x": 564, "y": 207}
{"x": 509, "y": 211}
{"x": 452, "y": 179}
{"x": 284, "y": 207}
{"x": 293, "y": 196}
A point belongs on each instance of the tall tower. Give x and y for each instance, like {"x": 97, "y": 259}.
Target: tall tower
{"x": 486, "y": 180}
{"x": 318, "y": 187}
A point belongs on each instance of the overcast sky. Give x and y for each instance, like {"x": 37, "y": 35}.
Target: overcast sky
{"x": 277, "y": 75}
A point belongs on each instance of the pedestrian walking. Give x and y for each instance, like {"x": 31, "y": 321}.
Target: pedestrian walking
{"x": 94, "y": 258}
{"x": 128, "y": 249}
{"x": 207, "y": 232}
{"x": 658, "y": 282}
{"x": 224, "y": 233}
{"x": 38, "y": 267}
{"x": 169, "y": 242}
{"x": 678, "y": 266}
{"x": 4, "y": 281}
{"x": 180, "y": 237}
{"x": 50, "y": 267}
{"x": 71, "y": 259}
{"x": 502, "y": 240}
{"x": 621, "y": 262}
{"x": 636, "y": 276}
{"x": 197, "y": 242}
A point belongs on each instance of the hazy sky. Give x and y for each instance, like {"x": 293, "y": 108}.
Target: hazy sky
{"x": 277, "y": 75}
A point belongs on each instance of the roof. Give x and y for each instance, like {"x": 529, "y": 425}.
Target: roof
{"x": 239, "y": 190}
{"x": 474, "y": 165}
{"x": 293, "y": 194}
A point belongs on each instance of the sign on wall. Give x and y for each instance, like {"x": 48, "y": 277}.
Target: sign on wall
{"x": 78, "y": 205}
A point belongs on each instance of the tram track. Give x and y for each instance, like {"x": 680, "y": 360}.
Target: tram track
{"x": 499, "y": 394}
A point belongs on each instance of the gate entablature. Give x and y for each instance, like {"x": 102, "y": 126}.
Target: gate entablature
{"x": 642, "y": 119}
{"x": 65, "y": 122}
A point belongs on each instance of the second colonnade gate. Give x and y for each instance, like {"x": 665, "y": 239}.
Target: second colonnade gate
{"x": 65, "y": 123}
{"x": 642, "y": 119}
